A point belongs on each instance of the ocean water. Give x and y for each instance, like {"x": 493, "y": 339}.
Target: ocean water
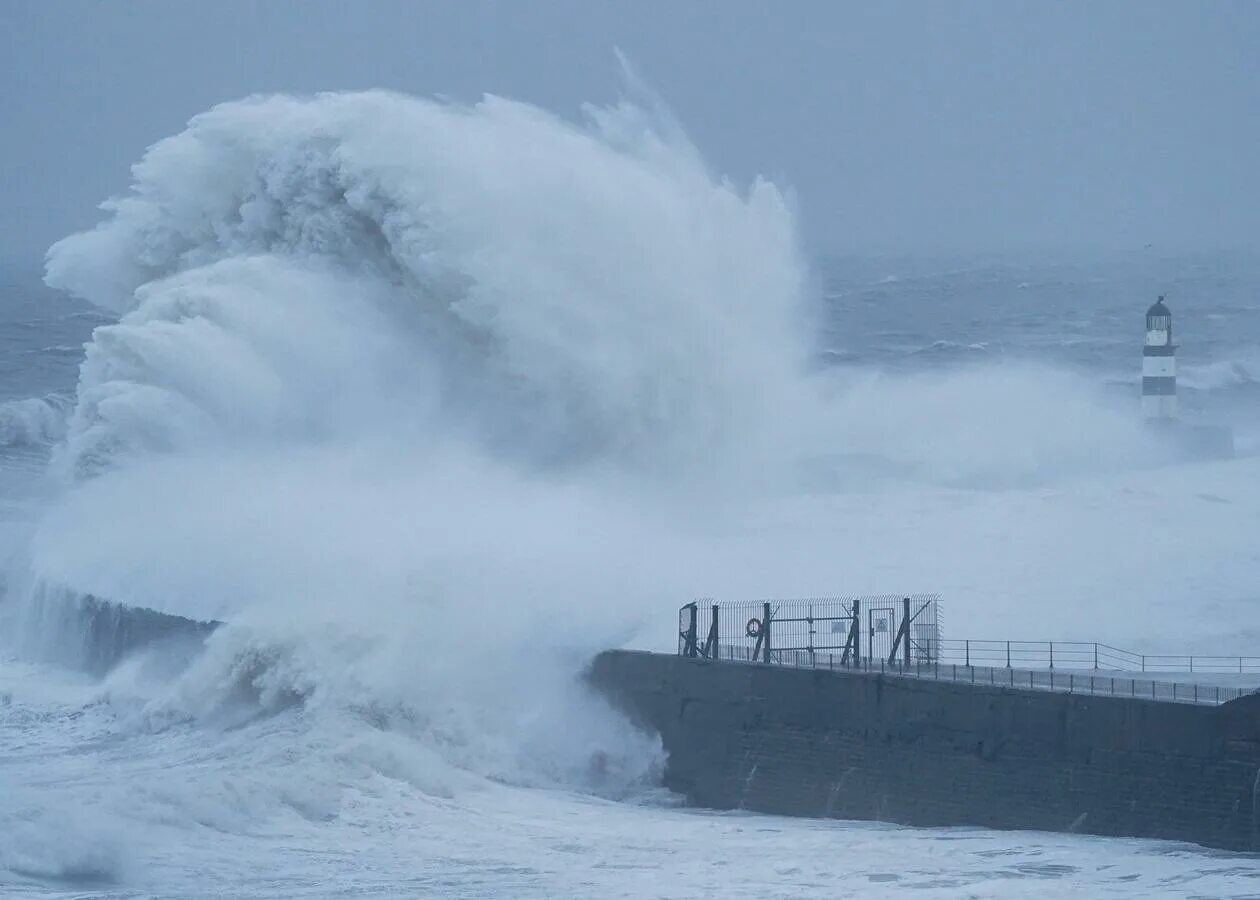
{"x": 430, "y": 403}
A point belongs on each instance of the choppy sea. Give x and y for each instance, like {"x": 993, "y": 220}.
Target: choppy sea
{"x": 422, "y": 479}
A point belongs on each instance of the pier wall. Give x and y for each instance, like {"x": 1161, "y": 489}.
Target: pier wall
{"x": 853, "y": 745}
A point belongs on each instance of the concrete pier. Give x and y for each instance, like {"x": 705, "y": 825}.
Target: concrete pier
{"x": 862, "y": 745}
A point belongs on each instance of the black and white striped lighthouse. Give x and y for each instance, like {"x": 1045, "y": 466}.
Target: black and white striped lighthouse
{"x": 1159, "y": 366}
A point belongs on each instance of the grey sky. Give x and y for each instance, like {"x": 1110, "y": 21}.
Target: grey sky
{"x": 902, "y": 127}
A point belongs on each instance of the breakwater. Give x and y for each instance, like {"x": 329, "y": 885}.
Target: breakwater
{"x": 866, "y": 745}
{"x": 88, "y": 633}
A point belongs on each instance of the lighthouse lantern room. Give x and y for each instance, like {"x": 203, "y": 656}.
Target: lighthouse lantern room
{"x": 1159, "y": 366}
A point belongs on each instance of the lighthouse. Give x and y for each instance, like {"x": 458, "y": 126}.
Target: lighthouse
{"x": 1159, "y": 366}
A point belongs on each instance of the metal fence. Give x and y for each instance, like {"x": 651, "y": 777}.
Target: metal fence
{"x": 1094, "y": 683}
{"x": 893, "y": 627}
{"x": 1085, "y": 655}
{"x": 900, "y": 635}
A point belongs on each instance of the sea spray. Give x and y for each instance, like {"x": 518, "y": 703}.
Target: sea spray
{"x": 429, "y": 403}
{"x": 389, "y": 381}
{"x": 560, "y": 292}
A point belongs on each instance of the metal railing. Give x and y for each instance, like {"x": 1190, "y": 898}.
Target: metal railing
{"x": 901, "y": 635}
{"x": 1084, "y": 655}
{"x": 1095, "y": 683}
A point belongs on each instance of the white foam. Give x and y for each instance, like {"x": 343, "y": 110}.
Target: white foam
{"x": 1213, "y": 376}
{"x": 561, "y": 290}
{"x": 35, "y": 421}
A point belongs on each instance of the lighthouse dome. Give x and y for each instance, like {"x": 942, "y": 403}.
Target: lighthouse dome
{"x": 1159, "y": 322}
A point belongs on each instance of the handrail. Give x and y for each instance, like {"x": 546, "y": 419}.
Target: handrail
{"x": 1085, "y": 655}
{"x": 1090, "y": 683}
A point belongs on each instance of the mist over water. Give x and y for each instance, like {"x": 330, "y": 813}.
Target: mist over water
{"x": 428, "y": 403}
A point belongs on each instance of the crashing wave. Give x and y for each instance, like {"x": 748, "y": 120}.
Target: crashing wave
{"x": 375, "y": 363}
{"x": 1221, "y": 375}
{"x": 35, "y": 421}
{"x": 313, "y": 268}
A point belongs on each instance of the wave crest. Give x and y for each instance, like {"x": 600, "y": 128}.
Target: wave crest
{"x": 35, "y": 421}
{"x": 559, "y": 292}
{"x": 1221, "y": 375}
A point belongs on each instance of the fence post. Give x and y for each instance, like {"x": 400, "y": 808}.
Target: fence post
{"x": 1008, "y": 654}
{"x": 1095, "y": 656}
{"x": 857, "y": 633}
{"x": 1052, "y": 660}
{"x": 765, "y": 631}
{"x": 716, "y": 630}
{"x": 967, "y": 645}
{"x": 905, "y": 612}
